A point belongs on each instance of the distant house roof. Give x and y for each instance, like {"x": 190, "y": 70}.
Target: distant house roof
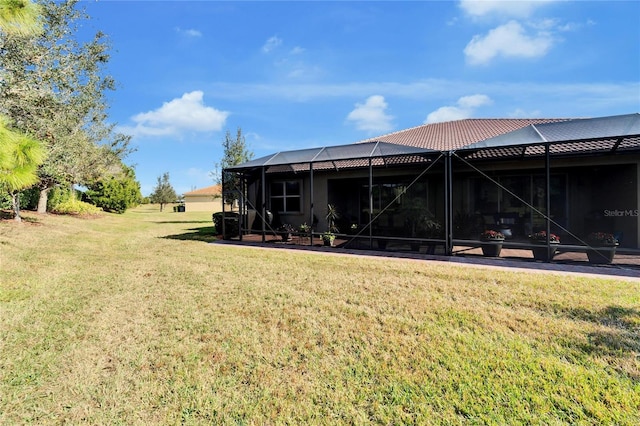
{"x": 452, "y": 135}
{"x": 209, "y": 190}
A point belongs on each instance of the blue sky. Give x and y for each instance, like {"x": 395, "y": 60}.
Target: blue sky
{"x": 313, "y": 73}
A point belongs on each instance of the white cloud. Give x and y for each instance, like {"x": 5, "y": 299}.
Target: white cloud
{"x": 519, "y": 8}
{"x": 558, "y": 99}
{"x": 297, "y": 50}
{"x": 188, "y": 113}
{"x": 189, "y": 32}
{"x": 520, "y": 113}
{"x": 271, "y": 44}
{"x": 464, "y": 108}
{"x": 508, "y": 40}
{"x": 371, "y": 115}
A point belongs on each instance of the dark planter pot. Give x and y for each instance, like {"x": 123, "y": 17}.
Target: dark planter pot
{"x": 328, "y": 242}
{"x": 491, "y": 248}
{"x": 601, "y": 255}
{"x": 543, "y": 253}
{"x": 286, "y": 236}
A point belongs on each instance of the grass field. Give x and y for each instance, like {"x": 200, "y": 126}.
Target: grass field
{"x": 135, "y": 319}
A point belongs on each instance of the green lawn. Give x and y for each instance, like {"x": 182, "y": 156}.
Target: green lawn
{"x": 135, "y": 319}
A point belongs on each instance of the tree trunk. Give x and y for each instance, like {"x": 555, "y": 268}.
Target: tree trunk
{"x": 42, "y": 201}
{"x": 161, "y": 205}
{"x": 15, "y": 203}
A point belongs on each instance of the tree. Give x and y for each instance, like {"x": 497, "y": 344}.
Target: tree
{"x": 53, "y": 88}
{"x": 20, "y": 156}
{"x": 163, "y": 193}
{"x": 19, "y": 17}
{"x": 116, "y": 193}
{"x": 235, "y": 152}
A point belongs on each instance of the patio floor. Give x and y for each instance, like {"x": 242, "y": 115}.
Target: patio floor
{"x": 624, "y": 265}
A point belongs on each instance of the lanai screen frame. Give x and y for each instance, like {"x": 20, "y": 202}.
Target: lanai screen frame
{"x": 339, "y": 157}
{"x": 604, "y": 136}
{"x": 597, "y": 137}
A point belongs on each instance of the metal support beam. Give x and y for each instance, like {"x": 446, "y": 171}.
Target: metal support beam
{"x": 547, "y": 202}
{"x": 224, "y": 192}
{"x": 264, "y": 204}
{"x": 311, "y": 202}
{"x": 448, "y": 204}
{"x": 370, "y": 204}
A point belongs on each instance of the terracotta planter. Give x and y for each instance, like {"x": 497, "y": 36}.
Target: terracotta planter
{"x": 544, "y": 253}
{"x": 491, "y": 248}
{"x": 601, "y": 255}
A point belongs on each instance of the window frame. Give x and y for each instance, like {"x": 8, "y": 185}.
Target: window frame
{"x": 285, "y": 196}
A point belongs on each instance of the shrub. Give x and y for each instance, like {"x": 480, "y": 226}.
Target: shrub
{"x": 231, "y": 224}
{"x": 73, "y": 206}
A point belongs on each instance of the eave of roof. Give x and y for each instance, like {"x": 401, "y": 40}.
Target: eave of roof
{"x": 574, "y": 132}
{"x": 209, "y": 190}
{"x": 335, "y": 154}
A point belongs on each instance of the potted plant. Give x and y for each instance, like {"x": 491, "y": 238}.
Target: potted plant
{"x": 544, "y": 252}
{"x": 328, "y": 238}
{"x": 285, "y": 232}
{"x": 426, "y": 226}
{"x": 601, "y": 247}
{"x": 332, "y": 217}
{"x": 304, "y": 229}
{"x": 491, "y": 242}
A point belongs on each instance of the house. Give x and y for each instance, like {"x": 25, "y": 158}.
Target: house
{"x": 444, "y": 183}
{"x": 204, "y": 199}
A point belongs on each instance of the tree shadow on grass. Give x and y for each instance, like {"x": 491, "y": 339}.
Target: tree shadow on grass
{"x": 184, "y": 221}
{"x": 619, "y": 336}
{"x": 8, "y": 215}
{"x": 205, "y": 234}
{"x": 623, "y": 326}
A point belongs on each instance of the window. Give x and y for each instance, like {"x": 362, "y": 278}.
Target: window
{"x": 286, "y": 196}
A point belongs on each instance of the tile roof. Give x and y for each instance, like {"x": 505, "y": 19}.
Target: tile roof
{"x": 209, "y": 190}
{"x": 452, "y": 135}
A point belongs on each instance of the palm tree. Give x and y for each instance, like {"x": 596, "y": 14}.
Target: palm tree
{"x": 20, "y": 17}
{"x": 20, "y": 156}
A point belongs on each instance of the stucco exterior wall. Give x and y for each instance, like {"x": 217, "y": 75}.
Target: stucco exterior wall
{"x": 202, "y": 204}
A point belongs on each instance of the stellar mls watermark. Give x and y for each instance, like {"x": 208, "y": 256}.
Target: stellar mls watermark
{"x": 621, "y": 213}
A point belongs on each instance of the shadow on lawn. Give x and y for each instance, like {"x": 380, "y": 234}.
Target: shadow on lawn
{"x": 184, "y": 221}
{"x": 620, "y": 335}
{"x": 8, "y": 215}
{"x": 205, "y": 234}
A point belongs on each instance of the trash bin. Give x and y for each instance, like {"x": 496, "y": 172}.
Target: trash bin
{"x": 181, "y": 208}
